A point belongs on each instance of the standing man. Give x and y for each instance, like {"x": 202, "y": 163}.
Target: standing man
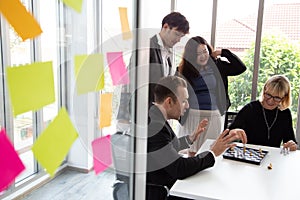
{"x": 164, "y": 164}
{"x": 174, "y": 27}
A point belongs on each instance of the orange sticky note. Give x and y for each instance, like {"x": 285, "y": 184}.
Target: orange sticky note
{"x": 89, "y": 73}
{"x": 75, "y": 4}
{"x": 126, "y": 33}
{"x": 20, "y": 19}
{"x": 105, "y": 110}
{"x": 52, "y": 146}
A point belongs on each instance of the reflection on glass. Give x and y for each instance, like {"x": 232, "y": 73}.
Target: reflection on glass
{"x": 113, "y": 42}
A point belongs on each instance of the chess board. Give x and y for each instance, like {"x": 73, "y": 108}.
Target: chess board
{"x": 247, "y": 155}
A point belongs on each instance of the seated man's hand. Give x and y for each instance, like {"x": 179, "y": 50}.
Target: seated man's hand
{"x": 225, "y": 140}
{"x": 201, "y": 127}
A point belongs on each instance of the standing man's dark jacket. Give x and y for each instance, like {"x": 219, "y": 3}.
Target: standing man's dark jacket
{"x": 156, "y": 66}
{"x": 164, "y": 164}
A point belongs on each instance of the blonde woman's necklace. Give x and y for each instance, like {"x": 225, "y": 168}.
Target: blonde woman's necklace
{"x": 266, "y": 121}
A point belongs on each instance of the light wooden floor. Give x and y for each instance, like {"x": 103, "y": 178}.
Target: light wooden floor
{"x": 73, "y": 185}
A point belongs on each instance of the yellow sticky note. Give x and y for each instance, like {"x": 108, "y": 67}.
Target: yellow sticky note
{"x": 89, "y": 73}
{"x": 105, "y": 110}
{"x": 20, "y": 19}
{"x": 75, "y": 4}
{"x": 126, "y": 33}
{"x": 30, "y": 86}
{"x": 52, "y": 146}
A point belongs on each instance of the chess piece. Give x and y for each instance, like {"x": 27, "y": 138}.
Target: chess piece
{"x": 270, "y": 166}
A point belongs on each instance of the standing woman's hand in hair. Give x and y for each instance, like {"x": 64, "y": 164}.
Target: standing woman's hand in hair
{"x": 216, "y": 53}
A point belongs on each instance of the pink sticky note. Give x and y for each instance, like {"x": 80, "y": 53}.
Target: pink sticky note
{"x": 102, "y": 155}
{"x": 117, "y": 68}
{"x": 10, "y": 163}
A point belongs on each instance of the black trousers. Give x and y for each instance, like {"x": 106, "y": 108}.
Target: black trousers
{"x": 154, "y": 192}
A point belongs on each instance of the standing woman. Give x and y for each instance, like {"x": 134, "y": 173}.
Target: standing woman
{"x": 268, "y": 121}
{"x": 207, "y": 73}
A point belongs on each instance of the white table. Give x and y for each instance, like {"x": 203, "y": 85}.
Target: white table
{"x": 229, "y": 179}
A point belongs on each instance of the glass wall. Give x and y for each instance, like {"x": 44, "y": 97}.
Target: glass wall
{"x": 23, "y": 129}
{"x": 263, "y": 33}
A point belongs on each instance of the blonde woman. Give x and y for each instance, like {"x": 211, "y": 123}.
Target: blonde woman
{"x": 268, "y": 121}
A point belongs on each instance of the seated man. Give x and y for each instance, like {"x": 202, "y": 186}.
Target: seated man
{"x": 164, "y": 164}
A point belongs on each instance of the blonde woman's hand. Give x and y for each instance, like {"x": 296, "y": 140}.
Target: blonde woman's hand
{"x": 291, "y": 145}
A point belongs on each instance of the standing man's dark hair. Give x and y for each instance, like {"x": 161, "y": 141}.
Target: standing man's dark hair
{"x": 176, "y": 20}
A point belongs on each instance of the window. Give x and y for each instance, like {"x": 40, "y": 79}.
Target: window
{"x": 26, "y": 127}
{"x": 236, "y": 31}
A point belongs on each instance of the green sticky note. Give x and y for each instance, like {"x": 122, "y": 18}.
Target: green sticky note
{"x": 89, "y": 73}
{"x": 30, "y": 86}
{"x": 75, "y": 4}
{"x": 52, "y": 146}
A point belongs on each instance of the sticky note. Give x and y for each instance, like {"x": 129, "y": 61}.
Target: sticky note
{"x": 102, "y": 155}
{"x": 20, "y": 19}
{"x": 30, "y": 86}
{"x": 117, "y": 68}
{"x": 10, "y": 163}
{"x": 126, "y": 33}
{"x": 52, "y": 146}
{"x": 89, "y": 73}
{"x": 105, "y": 110}
{"x": 74, "y": 4}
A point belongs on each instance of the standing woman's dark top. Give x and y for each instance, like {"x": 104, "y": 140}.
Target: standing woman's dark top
{"x": 207, "y": 73}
